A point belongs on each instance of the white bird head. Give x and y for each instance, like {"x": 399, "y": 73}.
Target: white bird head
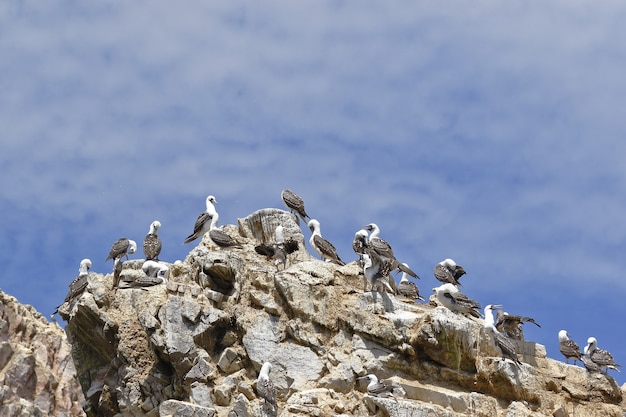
{"x": 489, "y": 321}
{"x": 265, "y": 370}
{"x": 361, "y": 233}
{"x": 278, "y": 233}
{"x": 448, "y": 262}
{"x": 155, "y": 226}
{"x": 132, "y": 247}
{"x": 314, "y": 225}
{"x": 210, "y": 204}
{"x": 85, "y": 266}
{"x": 563, "y": 335}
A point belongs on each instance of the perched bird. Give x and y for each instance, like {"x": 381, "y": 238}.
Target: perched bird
{"x": 122, "y": 247}
{"x": 218, "y": 236}
{"x": 511, "y": 324}
{"x": 505, "y": 345}
{"x": 448, "y": 272}
{"x": 383, "y": 248}
{"x": 264, "y": 386}
{"x": 359, "y": 244}
{"x": 295, "y": 203}
{"x": 600, "y": 357}
{"x": 376, "y": 270}
{"x": 78, "y": 285}
{"x": 408, "y": 289}
{"x": 376, "y": 388}
{"x": 156, "y": 273}
{"x": 450, "y": 296}
{"x": 568, "y": 347}
{"x": 152, "y": 243}
{"x": 323, "y": 247}
{"x": 590, "y": 365}
{"x": 203, "y": 222}
{"x": 278, "y": 251}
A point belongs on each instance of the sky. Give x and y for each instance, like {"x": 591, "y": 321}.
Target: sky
{"x": 487, "y": 132}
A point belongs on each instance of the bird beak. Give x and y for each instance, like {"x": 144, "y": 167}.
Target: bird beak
{"x": 494, "y": 306}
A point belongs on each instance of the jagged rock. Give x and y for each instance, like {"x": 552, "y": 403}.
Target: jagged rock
{"x": 37, "y": 374}
{"x": 194, "y": 347}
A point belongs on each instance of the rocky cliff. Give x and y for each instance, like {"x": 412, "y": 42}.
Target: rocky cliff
{"x": 194, "y": 345}
{"x": 37, "y": 374}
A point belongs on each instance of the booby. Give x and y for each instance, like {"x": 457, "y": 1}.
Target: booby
{"x": 295, "y": 204}
{"x": 452, "y": 298}
{"x": 278, "y": 250}
{"x": 590, "y": 365}
{"x": 218, "y": 236}
{"x": 203, "y": 222}
{"x": 501, "y": 341}
{"x": 511, "y": 324}
{"x": 408, "y": 289}
{"x": 568, "y": 347}
{"x": 152, "y": 243}
{"x": 447, "y": 271}
{"x": 122, "y": 247}
{"x": 383, "y": 248}
{"x": 264, "y": 386}
{"x": 323, "y": 247}
{"x": 359, "y": 244}
{"x": 156, "y": 273}
{"x": 78, "y": 285}
{"x": 376, "y": 388}
{"x": 376, "y": 269}
{"x": 600, "y": 356}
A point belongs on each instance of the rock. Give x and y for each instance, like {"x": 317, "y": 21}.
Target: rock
{"x": 194, "y": 347}
{"x": 37, "y": 374}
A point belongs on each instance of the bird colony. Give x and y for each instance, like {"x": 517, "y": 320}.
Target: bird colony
{"x": 377, "y": 261}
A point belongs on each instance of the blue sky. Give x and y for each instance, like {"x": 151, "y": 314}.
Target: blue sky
{"x": 489, "y": 132}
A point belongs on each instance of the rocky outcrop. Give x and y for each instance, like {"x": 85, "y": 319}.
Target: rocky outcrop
{"x": 194, "y": 345}
{"x": 37, "y": 375}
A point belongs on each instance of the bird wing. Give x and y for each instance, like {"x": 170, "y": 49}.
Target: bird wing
{"x": 199, "y": 226}
{"x": 119, "y": 248}
{"x": 222, "y": 238}
{"x": 152, "y": 246}
{"x": 569, "y": 349}
{"x": 265, "y": 249}
{"x": 327, "y": 249}
{"x": 291, "y": 245}
{"x": 444, "y": 275}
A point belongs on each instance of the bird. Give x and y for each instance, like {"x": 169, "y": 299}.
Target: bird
{"x": 511, "y": 324}
{"x": 448, "y": 272}
{"x": 383, "y": 248}
{"x": 218, "y": 236}
{"x": 78, "y": 285}
{"x": 278, "y": 251}
{"x": 264, "y": 386}
{"x": 203, "y": 222}
{"x": 152, "y": 243}
{"x": 505, "y": 345}
{"x": 295, "y": 204}
{"x": 600, "y": 356}
{"x": 376, "y": 270}
{"x": 408, "y": 289}
{"x": 377, "y": 388}
{"x": 323, "y": 247}
{"x": 122, "y": 247}
{"x": 452, "y": 298}
{"x": 156, "y": 273}
{"x": 590, "y": 365}
{"x": 360, "y": 243}
{"x": 568, "y": 347}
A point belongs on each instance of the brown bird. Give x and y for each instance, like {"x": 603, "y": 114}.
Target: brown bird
{"x": 323, "y": 247}
{"x": 122, "y": 247}
{"x": 568, "y": 347}
{"x": 295, "y": 203}
{"x": 152, "y": 243}
{"x": 447, "y": 271}
{"x": 511, "y": 324}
